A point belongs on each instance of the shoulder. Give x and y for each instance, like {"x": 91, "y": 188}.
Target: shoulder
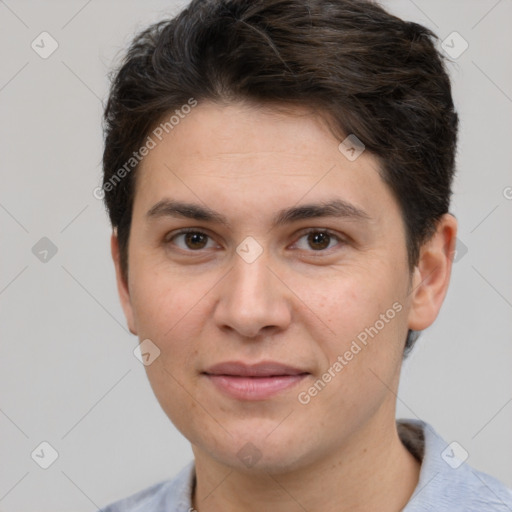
{"x": 147, "y": 499}
{"x": 486, "y": 492}
{"x": 166, "y": 496}
{"x": 468, "y": 490}
{"x": 448, "y": 483}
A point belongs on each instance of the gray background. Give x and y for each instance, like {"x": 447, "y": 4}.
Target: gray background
{"x": 67, "y": 372}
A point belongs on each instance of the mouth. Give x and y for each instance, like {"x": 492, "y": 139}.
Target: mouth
{"x": 253, "y": 381}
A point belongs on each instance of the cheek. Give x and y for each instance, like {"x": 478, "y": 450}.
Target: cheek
{"x": 168, "y": 312}
{"x": 366, "y": 316}
{"x": 165, "y": 302}
{"x": 348, "y": 302}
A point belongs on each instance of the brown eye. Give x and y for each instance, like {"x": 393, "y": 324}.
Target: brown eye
{"x": 195, "y": 240}
{"x": 190, "y": 240}
{"x": 318, "y": 240}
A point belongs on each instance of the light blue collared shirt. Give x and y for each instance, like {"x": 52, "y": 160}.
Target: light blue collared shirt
{"x": 446, "y": 484}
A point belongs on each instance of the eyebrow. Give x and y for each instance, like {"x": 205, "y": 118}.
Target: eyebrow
{"x": 334, "y": 208}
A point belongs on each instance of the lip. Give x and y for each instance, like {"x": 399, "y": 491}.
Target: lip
{"x": 253, "y": 381}
{"x": 261, "y": 369}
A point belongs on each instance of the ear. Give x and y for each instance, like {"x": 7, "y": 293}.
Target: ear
{"x": 122, "y": 285}
{"x": 432, "y": 274}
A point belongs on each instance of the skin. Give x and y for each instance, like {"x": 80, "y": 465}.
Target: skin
{"x": 295, "y": 304}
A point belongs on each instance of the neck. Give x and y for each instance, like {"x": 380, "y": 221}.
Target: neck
{"x": 371, "y": 471}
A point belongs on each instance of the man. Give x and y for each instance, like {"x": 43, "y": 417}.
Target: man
{"x": 278, "y": 176}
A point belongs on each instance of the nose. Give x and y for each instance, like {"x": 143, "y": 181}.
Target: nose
{"x": 252, "y": 300}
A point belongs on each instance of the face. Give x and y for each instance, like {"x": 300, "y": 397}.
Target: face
{"x": 320, "y": 297}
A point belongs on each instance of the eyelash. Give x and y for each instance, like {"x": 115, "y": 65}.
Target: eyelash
{"x": 331, "y": 234}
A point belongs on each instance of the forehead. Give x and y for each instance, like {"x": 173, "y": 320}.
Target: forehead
{"x": 245, "y": 131}
{"x": 258, "y": 157}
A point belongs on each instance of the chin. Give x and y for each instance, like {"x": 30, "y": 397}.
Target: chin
{"x": 251, "y": 453}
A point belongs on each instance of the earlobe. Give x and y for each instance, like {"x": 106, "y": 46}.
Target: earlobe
{"x": 122, "y": 285}
{"x": 432, "y": 274}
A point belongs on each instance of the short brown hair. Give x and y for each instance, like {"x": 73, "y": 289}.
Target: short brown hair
{"x": 373, "y": 74}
